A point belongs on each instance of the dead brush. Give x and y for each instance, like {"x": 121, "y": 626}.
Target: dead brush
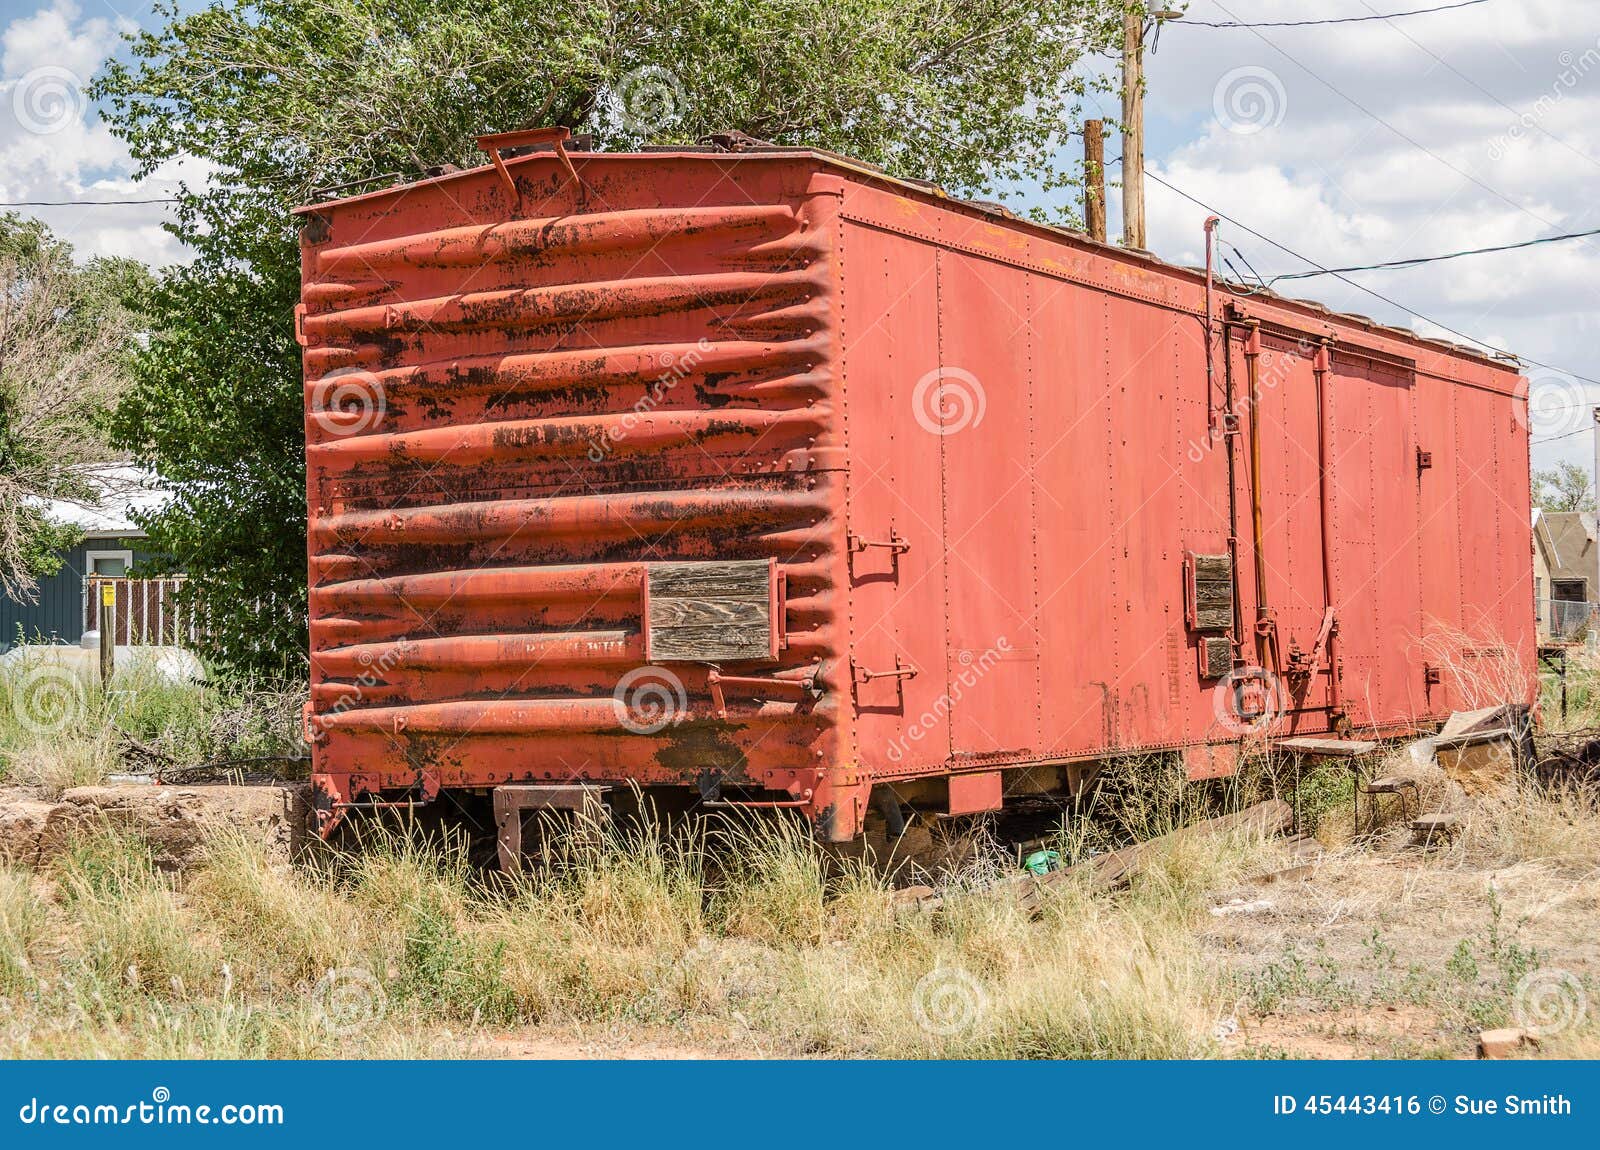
{"x": 771, "y": 881}
{"x": 749, "y": 933}
{"x": 1482, "y": 670}
{"x": 604, "y": 929}
{"x": 22, "y": 923}
{"x": 1525, "y": 823}
{"x": 54, "y": 764}
{"x": 631, "y": 883}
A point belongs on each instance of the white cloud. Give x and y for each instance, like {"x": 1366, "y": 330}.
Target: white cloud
{"x": 62, "y": 37}
{"x": 1398, "y": 139}
{"x": 53, "y": 146}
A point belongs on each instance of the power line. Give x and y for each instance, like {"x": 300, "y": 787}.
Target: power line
{"x": 1362, "y": 287}
{"x": 83, "y": 203}
{"x": 1435, "y": 259}
{"x": 1559, "y": 438}
{"x": 1185, "y": 22}
{"x": 1535, "y": 124}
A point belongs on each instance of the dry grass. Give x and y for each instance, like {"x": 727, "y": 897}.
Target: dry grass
{"x": 746, "y": 935}
{"x": 744, "y": 940}
{"x": 1482, "y": 670}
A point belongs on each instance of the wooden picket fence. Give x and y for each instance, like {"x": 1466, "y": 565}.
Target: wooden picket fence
{"x": 146, "y": 611}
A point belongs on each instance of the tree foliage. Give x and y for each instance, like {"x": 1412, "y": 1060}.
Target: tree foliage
{"x": 67, "y": 337}
{"x": 280, "y": 97}
{"x": 1564, "y": 487}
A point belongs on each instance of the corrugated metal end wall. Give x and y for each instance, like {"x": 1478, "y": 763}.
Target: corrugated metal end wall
{"x": 507, "y": 419}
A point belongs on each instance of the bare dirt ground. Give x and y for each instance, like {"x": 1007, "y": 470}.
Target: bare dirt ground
{"x": 1386, "y": 953}
{"x": 610, "y": 1043}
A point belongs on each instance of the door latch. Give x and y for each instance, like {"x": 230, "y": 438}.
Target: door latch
{"x": 894, "y": 543}
{"x": 901, "y": 671}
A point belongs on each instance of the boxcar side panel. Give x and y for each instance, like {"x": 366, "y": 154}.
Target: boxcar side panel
{"x": 1078, "y": 565}
{"x": 1128, "y": 474}
{"x": 889, "y": 335}
{"x": 1142, "y": 489}
{"x": 980, "y": 413}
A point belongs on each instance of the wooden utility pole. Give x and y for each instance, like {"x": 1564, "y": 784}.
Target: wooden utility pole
{"x": 1133, "y": 127}
{"x": 108, "y": 633}
{"x": 1094, "y": 179}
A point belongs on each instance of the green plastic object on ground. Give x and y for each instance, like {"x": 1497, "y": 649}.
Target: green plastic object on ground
{"x": 1041, "y": 862}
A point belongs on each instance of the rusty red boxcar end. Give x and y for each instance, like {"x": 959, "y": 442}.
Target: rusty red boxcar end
{"x": 767, "y": 477}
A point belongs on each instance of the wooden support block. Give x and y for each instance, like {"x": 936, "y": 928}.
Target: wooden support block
{"x": 1389, "y": 785}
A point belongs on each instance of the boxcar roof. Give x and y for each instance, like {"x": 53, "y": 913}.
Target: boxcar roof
{"x": 929, "y": 191}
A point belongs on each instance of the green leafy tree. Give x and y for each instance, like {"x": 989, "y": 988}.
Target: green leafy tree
{"x": 280, "y": 97}
{"x": 1565, "y": 487}
{"x": 67, "y": 338}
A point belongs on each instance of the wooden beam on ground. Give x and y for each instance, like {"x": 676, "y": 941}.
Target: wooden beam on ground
{"x": 1118, "y": 867}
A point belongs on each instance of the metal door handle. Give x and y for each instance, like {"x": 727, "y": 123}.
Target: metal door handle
{"x": 901, "y": 671}
{"x": 894, "y": 543}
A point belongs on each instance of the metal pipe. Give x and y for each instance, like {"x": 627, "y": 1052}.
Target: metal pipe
{"x": 382, "y": 805}
{"x": 1230, "y": 424}
{"x": 757, "y": 804}
{"x": 1265, "y": 636}
{"x": 1211, "y": 374}
{"x": 1321, "y": 365}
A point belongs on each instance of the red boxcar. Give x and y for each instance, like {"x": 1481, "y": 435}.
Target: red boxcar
{"x": 768, "y": 477}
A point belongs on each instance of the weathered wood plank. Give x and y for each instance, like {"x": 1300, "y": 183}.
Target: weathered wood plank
{"x": 710, "y": 612}
{"x": 1213, "y": 592}
{"x": 1329, "y": 748}
{"x": 1213, "y": 618}
{"x": 1218, "y": 654}
{"x": 708, "y": 644}
{"x": 734, "y": 580}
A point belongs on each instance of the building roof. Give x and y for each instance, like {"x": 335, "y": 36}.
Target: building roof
{"x": 1569, "y": 538}
{"x": 124, "y": 490}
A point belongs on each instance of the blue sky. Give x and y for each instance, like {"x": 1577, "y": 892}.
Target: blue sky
{"x": 1352, "y": 143}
